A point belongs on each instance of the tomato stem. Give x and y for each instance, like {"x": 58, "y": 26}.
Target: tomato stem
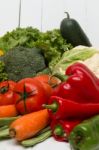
{"x": 4, "y": 89}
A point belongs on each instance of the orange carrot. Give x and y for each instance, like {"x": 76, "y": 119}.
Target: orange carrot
{"x": 8, "y": 111}
{"x": 29, "y": 125}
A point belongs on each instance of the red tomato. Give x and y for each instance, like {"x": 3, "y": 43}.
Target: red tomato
{"x": 29, "y": 95}
{"x": 6, "y": 92}
{"x": 48, "y": 79}
{"x": 48, "y": 82}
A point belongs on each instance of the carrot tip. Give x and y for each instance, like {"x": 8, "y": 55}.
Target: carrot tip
{"x": 12, "y": 133}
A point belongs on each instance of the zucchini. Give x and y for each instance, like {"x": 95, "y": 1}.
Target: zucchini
{"x": 71, "y": 31}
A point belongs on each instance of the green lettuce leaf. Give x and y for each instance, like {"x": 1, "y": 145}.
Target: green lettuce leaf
{"x": 79, "y": 53}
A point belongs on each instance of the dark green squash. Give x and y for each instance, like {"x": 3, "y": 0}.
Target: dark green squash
{"x": 73, "y": 33}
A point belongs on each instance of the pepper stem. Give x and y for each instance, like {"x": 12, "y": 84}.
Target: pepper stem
{"x": 58, "y": 130}
{"x": 53, "y": 106}
{"x": 78, "y": 139}
{"x": 68, "y": 16}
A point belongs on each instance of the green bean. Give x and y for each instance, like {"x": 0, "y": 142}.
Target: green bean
{"x": 38, "y": 139}
{"x": 4, "y": 134}
{"x": 7, "y": 120}
{"x": 43, "y": 130}
{"x": 3, "y": 127}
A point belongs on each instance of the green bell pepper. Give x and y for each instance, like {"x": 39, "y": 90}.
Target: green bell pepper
{"x": 85, "y": 136}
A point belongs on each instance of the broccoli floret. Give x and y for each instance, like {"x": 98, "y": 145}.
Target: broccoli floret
{"x": 3, "y": 74}
{"x": 23, "y": 62}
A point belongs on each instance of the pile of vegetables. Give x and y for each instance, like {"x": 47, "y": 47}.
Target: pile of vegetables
{"x": 51, "y": 42}
{"x": 34, "y": 103}
{"x": 18, "y": 45}
{"x": 74, "y": 108}
{"x": 34, "y": 109}
{"x": 22, "y": 114}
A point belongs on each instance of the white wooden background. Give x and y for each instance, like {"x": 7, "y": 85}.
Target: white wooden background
{"x": 47, "y": 14}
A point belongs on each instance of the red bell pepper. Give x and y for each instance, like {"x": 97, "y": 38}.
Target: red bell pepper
{"x": 81, "y": 85}
{"x": 72, "y": 68}
{"x": 65, "y": 90}
{"x": 62, "y": 128}
{"x": 87, "y": 83}
{"x": 60, "y": 108}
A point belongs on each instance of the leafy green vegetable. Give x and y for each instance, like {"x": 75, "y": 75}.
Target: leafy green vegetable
{"x": 19, "y": 37}
{"x": 72, "y": 56}
{"x": 51, "y": 42}
{"x": 53, "y": 46}
{"x": 23, "y": 62}
{"x": 45, "y": 71}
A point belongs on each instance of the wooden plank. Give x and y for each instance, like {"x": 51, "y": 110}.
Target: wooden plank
{"x": 92, "y": 18}
{"x": 31, "y": 13}
{"x": 53, "y": 13}
{"x": 8, "y": 15}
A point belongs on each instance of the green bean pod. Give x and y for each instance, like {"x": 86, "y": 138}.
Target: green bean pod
{"x": 4, "y": 134}
{"x": 7, "y": 121}
{"x": 37, "y": 139}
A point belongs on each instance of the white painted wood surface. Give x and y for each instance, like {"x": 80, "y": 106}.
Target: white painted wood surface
{"x": 31, "y": 13}
{"x": 47, "y": 15}
{"x": 8, "y": 15}
{"x": 92, "y": 19}
{"x": 53, "y": 12}
{"x": 49, "y": 144}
